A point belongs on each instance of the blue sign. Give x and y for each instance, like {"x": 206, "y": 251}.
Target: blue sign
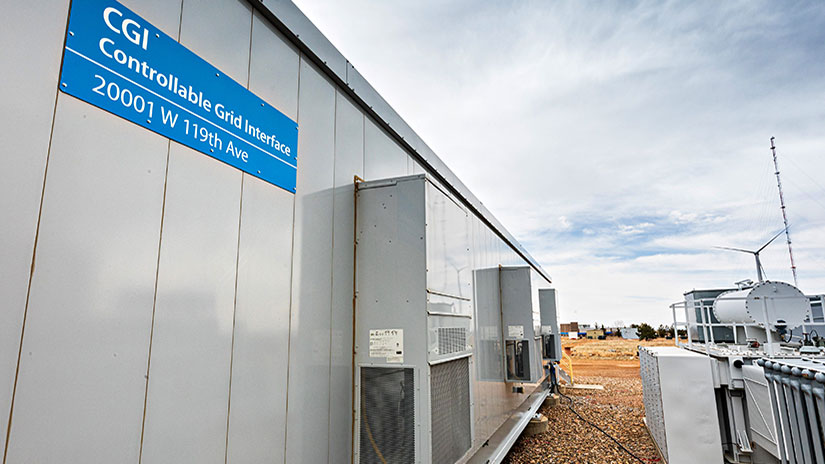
{"x": 117, "y": 61}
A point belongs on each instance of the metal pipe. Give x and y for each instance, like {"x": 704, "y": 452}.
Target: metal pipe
{"x": 774, "y": 397}
{"x": 799, "y": 410}
{"x": 355, "y": 181}
{"x": 818, "y": 392}
{"x": 790, "y": 411}
{"x": 810, "y": 409}
{"x": 675, "y": 327}
{"x": 687, "y": 327}
{"x": 783, "y": 402}
{"x": 704, "y": 329}
{"x": 709, "y": 321}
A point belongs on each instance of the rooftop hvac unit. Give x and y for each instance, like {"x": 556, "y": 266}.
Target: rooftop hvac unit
{"x": 414, "y": 324}
{"x": 550, "y": 339}
{"x": 680, "y": 410}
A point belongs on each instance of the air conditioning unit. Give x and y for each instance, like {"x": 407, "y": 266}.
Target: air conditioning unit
{"x": 550, "y": 338}
{"x": 521, "y": 325}
{"x": 414, "y": 328}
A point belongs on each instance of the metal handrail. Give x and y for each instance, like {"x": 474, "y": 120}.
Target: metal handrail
{"x": 704, "y": 307}
{"x": 566, "y": 363}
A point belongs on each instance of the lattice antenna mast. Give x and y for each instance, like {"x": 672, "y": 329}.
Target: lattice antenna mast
{"x": 784, "y": 215}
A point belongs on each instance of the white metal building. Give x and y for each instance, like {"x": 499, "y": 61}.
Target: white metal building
{"x": 159, "y": 305}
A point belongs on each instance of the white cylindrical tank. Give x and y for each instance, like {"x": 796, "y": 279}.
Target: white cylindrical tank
{"x": 786, "y": 305}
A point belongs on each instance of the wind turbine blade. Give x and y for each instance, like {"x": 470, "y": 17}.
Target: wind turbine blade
{"x": 771, "y": 240}
{"x": 734, "y": 249}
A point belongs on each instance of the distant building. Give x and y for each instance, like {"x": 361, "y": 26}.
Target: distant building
{"x": 595, "y": 333}
{"x": 629, "y": 333}
{"x": 569, "y": 328}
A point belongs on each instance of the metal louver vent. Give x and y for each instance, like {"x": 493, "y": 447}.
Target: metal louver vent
{"x": 654, "y": 410}
{"x": 387, "y": 432}
{"x": 451, "y": 340}
{"x": 450, "y": 390}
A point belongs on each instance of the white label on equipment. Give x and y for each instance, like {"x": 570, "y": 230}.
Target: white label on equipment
{"x": 515, "y": 331}
{"x": 547, "y": 329}
{"x": 387, "y": 343}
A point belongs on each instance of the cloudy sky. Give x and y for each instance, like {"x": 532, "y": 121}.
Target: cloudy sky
{"x": 618, "y": 141}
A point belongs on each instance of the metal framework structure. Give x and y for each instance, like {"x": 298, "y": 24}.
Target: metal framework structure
{"x": 784, "y": 214}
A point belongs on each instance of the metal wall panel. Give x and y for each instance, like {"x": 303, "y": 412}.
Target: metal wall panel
{"x": 30, "y": 64}
{"x": 380, "y": 106}
{"x": 194, "y": 311}
{"x": 257, "y": 414}
{"x": 308, "y": 393}
{"x": 81, "y": 380}
{"x": 188, "y": 388}
{"x": 295, "y": 20}
{"x": 219, "y": 32}
{"x": 273, "y": 68}
{"x": 448, "y": 246}
{"x": 261, "y": 335}
{"x": 163, "y": 14}
{"x": 349, "y": 162}
{"x": 489, "y": 352}
{"x": 383, "y": 158}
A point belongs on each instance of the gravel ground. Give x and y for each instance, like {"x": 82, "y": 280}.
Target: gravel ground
{"x": 618, "y": 409}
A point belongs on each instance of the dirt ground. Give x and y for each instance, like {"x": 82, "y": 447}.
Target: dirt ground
{"x": 617, "y": 409}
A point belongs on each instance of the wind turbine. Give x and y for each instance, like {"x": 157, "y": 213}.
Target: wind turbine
{"x": 755, "y": 254}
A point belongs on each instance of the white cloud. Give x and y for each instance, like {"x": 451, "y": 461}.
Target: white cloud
{"x": 634, "y": 229}
{"x": 631, "y": 137}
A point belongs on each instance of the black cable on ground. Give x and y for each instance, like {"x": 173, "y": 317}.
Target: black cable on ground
{"x": 600, "y": 429}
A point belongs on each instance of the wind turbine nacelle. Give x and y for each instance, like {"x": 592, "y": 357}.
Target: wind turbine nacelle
{"x": 786, "y": 306}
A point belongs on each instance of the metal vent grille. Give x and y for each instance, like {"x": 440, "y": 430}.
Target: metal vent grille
{"x": 452, "y": 340}
{"x": 652, "y": 389}
{"x": 387, "y": 432}
{"x": 450, "y": 390}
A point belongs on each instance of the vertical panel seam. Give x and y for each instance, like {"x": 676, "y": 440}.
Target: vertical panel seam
{"x": 7, "y": 438}
{"x": 234, "y": 318}
{"x": 237, "y": 262}
{"x": 31, "y": 268}
{"x": 292, "y": 270}
{"x": 154, "y": 302}
{"x": 157, "y": 277}
{"x": 332, "y": 266}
